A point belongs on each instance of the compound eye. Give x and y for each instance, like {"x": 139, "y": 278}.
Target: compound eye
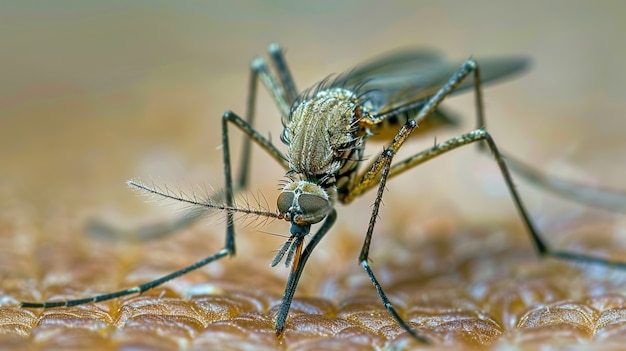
{"x": 312, "y": 204}
{"x": 284, "y": 202}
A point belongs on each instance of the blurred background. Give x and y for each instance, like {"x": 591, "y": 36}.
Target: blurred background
{"x": 93, "y": 93}
{"x": 97, "y": 92}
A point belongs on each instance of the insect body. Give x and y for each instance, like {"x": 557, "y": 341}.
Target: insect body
{"x": 325, "y": 131}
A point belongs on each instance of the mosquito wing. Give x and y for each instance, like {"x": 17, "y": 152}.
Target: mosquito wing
{"x": 402, "y": 80}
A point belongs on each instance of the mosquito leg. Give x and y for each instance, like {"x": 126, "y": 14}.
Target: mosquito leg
{"x": 387, "y": 156}
{"x": 296, "y": 272}
{"x": 272, "y": 86}
{"x": 260, "y": 71}
{"x": 371, "y": 177}
{"x": 230, "y": 225}
{"x": 376, "y": 175}
{"x": 263, "y": 143}
{"x": 283, "y": 72}
{"x": 541, "y": 247}
{"x": 470, "y": 66}
{"x": 244, "y": 168}
{"x": 137, "y": 289}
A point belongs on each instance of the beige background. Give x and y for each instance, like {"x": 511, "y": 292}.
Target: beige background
{"x": 95, "y": 93}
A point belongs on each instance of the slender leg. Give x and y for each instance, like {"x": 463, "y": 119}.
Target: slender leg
{"x": 387, "y": 156}
{"x": 275, "y": 90}
{"x": 263, "y": 143}
{"x": 283, "y": 96}
{"x": 296, "y": 272}
{"x": 138, "y": 289}
{"x": 283, "y": 72}
{"x": 230, "y": 225}
{"x": 244, "y": 168}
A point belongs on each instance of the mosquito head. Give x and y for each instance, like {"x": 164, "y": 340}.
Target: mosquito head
{"x": 303, "y": 203}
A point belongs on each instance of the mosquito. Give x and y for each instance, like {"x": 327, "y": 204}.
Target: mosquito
{"x": 325, "y": 129}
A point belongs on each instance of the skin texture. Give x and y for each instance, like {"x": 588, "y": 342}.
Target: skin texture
{"x": 92, "y": 106}
{"x": 469, "y": 287}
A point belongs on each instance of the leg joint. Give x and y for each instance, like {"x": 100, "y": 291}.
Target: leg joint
{"x": 482, "y": 132}
{"x": 230, "y": 251}
{"x": 411, "y": 123}
{"x": 273, "y": 48}
{"x": 228, "y": 115}
{"x": 258, "y": 64}
{"x": 470, "y": 64}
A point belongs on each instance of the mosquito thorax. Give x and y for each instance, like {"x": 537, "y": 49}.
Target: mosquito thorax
{"x": 324, "y": 131}
{"x": 304, "y": 203}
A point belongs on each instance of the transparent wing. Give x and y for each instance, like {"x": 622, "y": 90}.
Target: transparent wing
{"x": 407, "y": 77}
